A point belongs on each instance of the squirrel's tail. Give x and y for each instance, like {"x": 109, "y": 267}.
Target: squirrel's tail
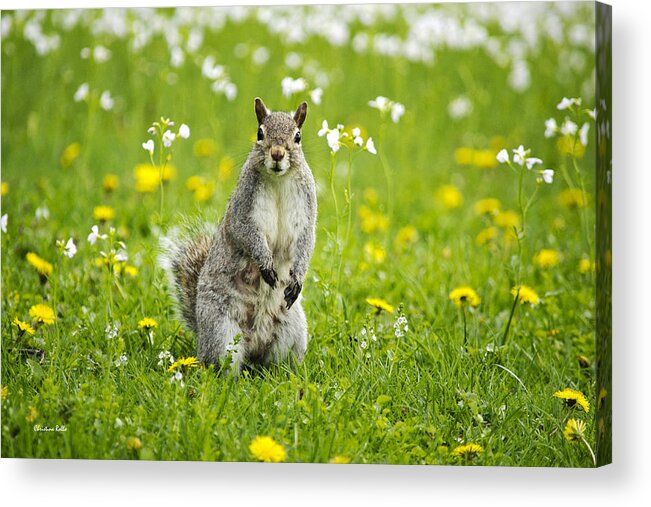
{"x": 183, "y": 254}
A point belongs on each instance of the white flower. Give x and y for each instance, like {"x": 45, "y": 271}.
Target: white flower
{"x": 548, "y": 175}
{"x": 3, "y": 223}
{"x": 315, "y": 95}
{"x": 566, "y": 103}
{"x": 397, "y": 110}
{"x": 519, "y": 155}
{"x": 149, "y": 146}
{"x": 370, "y": 146}
{"x": 122, "y": 360}
{"x": 82, "y": 92}
{"x": 42, "y": 213}
{"x": 503, "y": 156}
{"x": 260, "y": 55}
{"x": 460, "y": 107}
{"x": 363, "y": 344}
{"x": 163, "y": 356}
{"x": 112, "y": 330}
{"x": 532, "y": 161}
{"x": 583, "y": 134}
{"x": 333, "y": 140}
{"x": 177, "y": 377}
{"x": 70, "y": 249}
{"x": 324, "y": 129}
{"x": 168, "y": 138}
{"x": 569, "y": 128}
{"x": 357, "y": 138}
{"x": 151, "y": 130}
{"x": 106, "y": 101}
{"x": 95, "y": 235}
{"x": 121, "y": 256}
{"x": 592, "y": 113}
{"x": 380, "y": 103}
{"x": 184, "y": 131}
{"x": 292, "y": 86}
{"x": 84, "y": 53}
{"x": 101, "y": 54}
{"x": 550, "y": 127}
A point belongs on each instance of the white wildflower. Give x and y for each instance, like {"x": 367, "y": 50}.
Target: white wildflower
{"x": 370, "y": 146}
{"x": 397, "y": 110}
{"x": 121, "y": 256}
{"x": 292, "y": 86}
{"x": 532, "y": 161}
{"x": 149, "y": 146}
{"x": 82, "y": 92}
{"x": 363, "y": 344}
{"x": 380, "y": 103}
{"x": 503, "y": 156}
{"x": 324, "y": 129}
{"x": 106, "y": 101}
{"x": 101, "y": 54}
{"x": 3, "y": 223}
{"x": 460, "y": 107}
{"x": 113, "y": 330}
{"x": 168, "y": 138}
{"x": 184, "y": 131}
{"x": 569, "y": 128}
{"x": 164, "y": 357}
{"x": 315, "y": 95}
{"x": 592, "y": 113}
{"x": 550, "y": 127}
{"x": 333, "y": 140}
{"x": 42, "y": 213}
{"x": 520, "y": 155}
{"x": 70, "y": 250}
{"x": 260, "y": 56}
{"x": 566, "y": 103}
{"x": 583, "y": 134}
{"x": 548, "y": 175}
{"x": 95, "y": 235}
{"x": 121, "y": 361}
{"x": 357, "y": 138}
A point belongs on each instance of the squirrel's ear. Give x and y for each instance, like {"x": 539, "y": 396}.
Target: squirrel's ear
{"x": 301, "y": 113}
{"x": 261, "y": 110}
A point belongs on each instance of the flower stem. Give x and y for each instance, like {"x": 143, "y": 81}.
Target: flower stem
{"x": 505, "y": 336}
{"x": 585, "y": 442}
{"x": 465, "y": 328}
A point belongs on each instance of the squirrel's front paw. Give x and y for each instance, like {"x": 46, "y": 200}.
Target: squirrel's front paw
{"x": 292, "y": 291}
{"x": 270, "y": 276}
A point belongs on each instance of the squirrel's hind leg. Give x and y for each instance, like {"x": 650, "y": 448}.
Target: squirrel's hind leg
{"x": 291, "y": 337}
{"x": 217, "y": 332}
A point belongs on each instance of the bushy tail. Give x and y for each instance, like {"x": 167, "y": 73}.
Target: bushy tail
{"x": 183, "y": 254}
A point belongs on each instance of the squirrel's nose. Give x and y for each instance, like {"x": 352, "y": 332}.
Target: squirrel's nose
{"x": 277, "y": 153}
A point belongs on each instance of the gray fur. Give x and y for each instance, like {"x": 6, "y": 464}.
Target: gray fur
{"x": 250, "y": 278}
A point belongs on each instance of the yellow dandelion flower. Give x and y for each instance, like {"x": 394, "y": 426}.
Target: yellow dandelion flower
{"x": 70, "y": 154}
{"x": 546, "y": 258}
{"x": 204, "y": 192}
{"x": 484, "y": 159}
{"x": 371, "y": 221}
{"x": 42, "y": 266}
{"x": 573, "y": 398}
{"x": 169, "y": 173}
{"x": 585, "y": 265}
{"x": 371, "y": 196}
{"x": 225, "y": 168}
{"x": 584, "y": 361}
{"x": 5, "y": 188}
{"x": 32, "y": 414}
{"x": 467, "y": 450}
{"x": 572, "y": 198}
{"x": 23, "y": 327}
{"x": 132, "y": 271}
{"x": 134, "y": 444}
{"x": 147, "y": 323}
{"x": 574, "y": 430}
{"x": 194, "y": 182}
{"x": 42, "y": 313}
{"x": 449, "y": 196}
{"x": 374, "y": 253}
{"x": 103, "y": 213}
{"x": 486, "y": 235}
{"x": 266, "y": 449}
{"x": 380, "y": 304}
{"x": 204, "y": 148}
{"x": 526, "y": 295}
{"x": 4, "y": 392}
{"x": 147, "y": 178}
{"x": 340, "y": 460}
{"x": 406, "y": 236}
{"x": 489, "y": 206}
{"x": 184, "y": 362}
{"x": 463, "y": 155}
{"x": 110, "y": 182}
{"x": 463, "y": 295}
{"x": 507, "y": 219}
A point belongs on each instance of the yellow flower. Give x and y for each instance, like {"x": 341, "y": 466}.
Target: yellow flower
{"x": 462, "y": 295}
{"x": 103, "y": 213}
{"x": 484, "y": 159}
{"x": 371, "y": 195}
{"x": 204, "y": 148}
{"x": 486, "y": 235}
{"x": 467, "y": 450}
{"x": 526, "y": 295}
{"x": 585, "y": 265}
{"x": 573, "y": 398}
{"x": 110, "y": 182}
{"x": 407, "y": 235}
{"x": 132, "y": 271}
{"x": 184, "y": 362}
{"x": 267, "y": 449}
{"x": 371, "y": 221}
{"x": 374, "y": 253}
{"x": 4, "y": 392}
{"x": 70, "y": 154}
{"x": 194, "y": 182}
{"x": 507, "y": 219}
{"x": 5, "y": 188}
{"x": 147, "y": 323}
{"x": 449, "y": 196}
{"x": 574, "y": 430}
{"x": 340, "y": 460}
{"x": 225, "y": 168}
{"x": 31, "y": 415}
{"x": 147, "y": 178}
{"x": 134, "y": 444}
{"x": 490, "y": 206}
{"x": 463, "y": 155}
{"x": 42, "y": 313}
{"x": 42, "y": 266}
{"x": 572, "y": 198}
{"x": 546, "y": 258}
{"x": 204, "y": 192}
{"x": 380, "y": 304}
{"x": 23, "y": 327}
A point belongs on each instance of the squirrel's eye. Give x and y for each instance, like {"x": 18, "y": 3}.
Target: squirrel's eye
{"x": 297, "y": 137}
{"x": 260, "y": 134}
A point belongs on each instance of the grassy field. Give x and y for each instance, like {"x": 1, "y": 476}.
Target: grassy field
{"x": 414, "y": 382}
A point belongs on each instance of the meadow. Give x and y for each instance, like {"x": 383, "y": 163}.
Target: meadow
{"x": 451, "y": 292}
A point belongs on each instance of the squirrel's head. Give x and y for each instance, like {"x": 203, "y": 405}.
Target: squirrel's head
{"x": 279, "y": 137}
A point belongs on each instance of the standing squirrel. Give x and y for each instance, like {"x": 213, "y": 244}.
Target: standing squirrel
{"x": 245, "y": 277}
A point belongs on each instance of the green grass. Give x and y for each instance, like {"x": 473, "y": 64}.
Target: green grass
{"x": 411, "y": 399}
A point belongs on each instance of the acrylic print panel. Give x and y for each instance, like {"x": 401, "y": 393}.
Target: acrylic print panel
{"x": 440, "y": 308}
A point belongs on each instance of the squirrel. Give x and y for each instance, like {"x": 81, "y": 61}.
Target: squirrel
{"x": 238, "y": 285}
